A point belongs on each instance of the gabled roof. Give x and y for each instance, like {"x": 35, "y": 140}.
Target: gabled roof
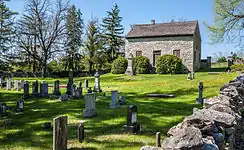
{"x": 163, "y": 29}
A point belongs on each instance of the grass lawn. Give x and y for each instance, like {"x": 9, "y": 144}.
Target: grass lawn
{"x": 105, "y": 131}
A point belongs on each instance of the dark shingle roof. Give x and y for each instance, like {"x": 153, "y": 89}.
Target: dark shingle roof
{"x": 163, "y": 29}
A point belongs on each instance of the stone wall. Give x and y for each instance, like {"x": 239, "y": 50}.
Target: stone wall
{"x": 218, "y": 126}
{"x": 166, "y": 45}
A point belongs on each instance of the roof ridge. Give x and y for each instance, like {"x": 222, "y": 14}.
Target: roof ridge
{"x": 166, "y": 23}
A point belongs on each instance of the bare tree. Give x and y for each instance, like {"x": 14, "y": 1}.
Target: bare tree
{"x": 42, "y": 25}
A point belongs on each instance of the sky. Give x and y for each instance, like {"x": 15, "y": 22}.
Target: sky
{"x": 143, "y": 11}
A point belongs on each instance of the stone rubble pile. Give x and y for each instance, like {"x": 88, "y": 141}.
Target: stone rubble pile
{"x": 219, "y": 126}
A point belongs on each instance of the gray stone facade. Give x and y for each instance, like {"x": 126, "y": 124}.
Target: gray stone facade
{"x": 189, "y": 46}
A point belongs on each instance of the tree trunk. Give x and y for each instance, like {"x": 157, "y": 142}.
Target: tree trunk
{"x": 44, "y": 67}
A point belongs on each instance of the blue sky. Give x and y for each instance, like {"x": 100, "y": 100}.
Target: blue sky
{"x": 143, "y": 11}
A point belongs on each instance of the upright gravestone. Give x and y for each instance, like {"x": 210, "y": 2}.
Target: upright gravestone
{"x": 86, "y": 84}
{"x": 81, "y": 132}
{"x": 16, "y": 83}
{"x": 132, "y": 124}
{"x": 90, "y": 106}
{"x": 20, "y": 105}
{"x": 56, "y": 90}
{"x": 1, "y": 82}
{"x": 22, "y": 84}
{"x": 78, "y": 92}
{"x": 19, "y": 86}
{"x": 192, "y": 75}
{"x": 129, "y": 70}
{"x": 35, "y": 89}
{"x": 26, "y": 90}
{"x": 73, "y": 90}
{"x": 122, "y": 100}
{"x": 60, "y": 133}
{"x": 9, "y": 82}
{"x": 199, "y": 100}
{"x": 70, "y": 83}
{"x": 114, "y": 96}
{"x": 44, "y": 89}
{"x": 189, "y": 76}
{"x": 97, "y": 87}
{"x": 3, "y": 109}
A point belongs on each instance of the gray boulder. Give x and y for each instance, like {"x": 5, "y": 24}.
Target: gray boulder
{"x": 220, "y": 99}
{"x": 63, "y": 97}
{"x": 150, "y": 148}
{"x": 189, "y": 138}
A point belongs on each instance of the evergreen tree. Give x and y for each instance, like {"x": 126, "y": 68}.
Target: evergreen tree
{"x": 6, "y": 31}
{"x": 93, "y": 44}
{"x": 74, "y": 30}
{"x": 113, "y": 31}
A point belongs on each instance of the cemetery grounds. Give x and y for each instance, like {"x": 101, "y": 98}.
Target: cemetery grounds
{"x": 106, "y": 130}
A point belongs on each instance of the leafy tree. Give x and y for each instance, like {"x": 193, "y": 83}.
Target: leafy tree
{"x": 93, "y": 45}
{"x": 74, "y": 30}
{"x": 228, "y": 21}
{"x": 6, "y": 32}
{"x": 113, "y": 31}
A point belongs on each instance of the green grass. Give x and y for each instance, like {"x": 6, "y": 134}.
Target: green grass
{"x": 105, "y": 131}
{"x": 219, "y": 65}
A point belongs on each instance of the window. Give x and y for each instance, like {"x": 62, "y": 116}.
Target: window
{"x": 156, "y": 54}
{"x": 138, "y": 53}
{"x": 176, "y": 53}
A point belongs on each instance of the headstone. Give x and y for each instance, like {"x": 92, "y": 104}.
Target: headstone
{"x": 20, "y": 105}
{"x": 19, "y": 86}
{"x": 132, "y": 124}
{"x": 1, "y": 82}
{"x": 9, "y": 82}
{"x": 79, "y": 84}
{"x": 90, "y": 106}
{"x": 22, "y": 84}
{"x": 122, "y": 100}
{"x": 114, "y": 96}
{"x": 60, "y": 133}
{"x": 189, "y": 76}
{"x": 44, "y": 89}
{"x": 97, "y": 87}
{"x": 129, "y": 70}
{"x": 86, "y": 83}
{"x": 73, "y": 90}
{"x": 56, "y": 90}
{"x": 89, "y": 90}
{"x": 199, "y": 100}
{"x": 81, "y": 132}
{"x": 35, "y": 88}
{"x": 3, "y": 109}
{"x": 16, "y": 82}
{"x": 192, "y": 75}
{"x": 26, "y": 90}
{"x": 158, "y": 139}
{"x": 78, "y": 92}
{"x": 70, "y": 83}
{"x": 63, "y": 97}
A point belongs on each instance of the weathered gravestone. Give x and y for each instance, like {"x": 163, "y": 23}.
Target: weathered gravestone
{"x": 86, "y": 83}
{"x": 97, "y": 87}
{"x": 19, "y": 86}
{"x": 60, "y": 133}
{"x": 26, "y": 90}
{"x": 79, "y": 84}
{"x": 56, "y": 90}
{"x": 78, "y": 92}
{"x": 70, "y": 83}
{"x": 114, "y": 97}
{"x": 81, "y": 132}
{"x": 16, "y": 84}
{"x": 189, "y": 76}
{"x": 22, "y": 82}
{"x": 132, "y": 124}
{"x": 129, "y": 70}
{"x": 192, "y": 75}
{"x": 199, "y": 100}
{"x": 35, "y": 89}
{"x": 122, "y": 100}
{"x": 3, "y": 109}
{"x": 90, "y": 106}
{"x": 44, "y": 89}
{"x": 1, "y": 82}
{"x": 9, "y": 82}
{"x": 63, "y": 97}
{"x": 20, "y": 105}
{"x": 158, "y": 139}
{"x": 73, "y": 90}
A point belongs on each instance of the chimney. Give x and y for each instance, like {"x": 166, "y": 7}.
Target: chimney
{"x": 153, "y": 22}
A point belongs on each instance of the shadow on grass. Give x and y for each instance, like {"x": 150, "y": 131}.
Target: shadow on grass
{"x": 224, "y": 69}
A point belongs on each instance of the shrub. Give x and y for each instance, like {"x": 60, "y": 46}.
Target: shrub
{"x": 119, "y": 65}
{"x": 221, "y": 59}
{"x": 237, "y": 67}
{"x": 168, "y": 64}
{"x": 141, "y": 65}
